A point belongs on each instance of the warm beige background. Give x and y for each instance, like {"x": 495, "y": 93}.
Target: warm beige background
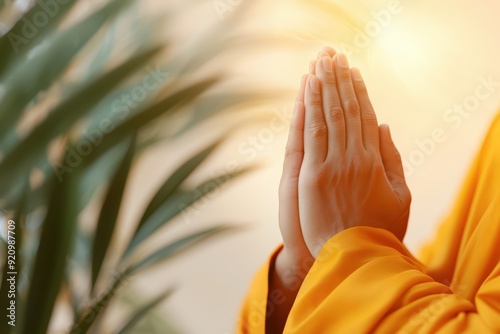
{"x": 430, "y": 57}
{"x": 427, "y": 59}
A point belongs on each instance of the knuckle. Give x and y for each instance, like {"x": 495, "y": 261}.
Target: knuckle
{"x": 373, "y": 157}
{"x": 335, "y": 113}
{"x": 345, "y": 75}
{"x": 406, "y": 198}
{"x": 361, "y": 164}
{"x": 318, "y": 130}
{"x": 410, "y": 197}
{"x": 396, "y": 155}
{"x": 314, "y": 177}
{"x": 336, "y": 118}
{"x": 314, "y": 103}
{"x": 370, "y": 117}
{"x": 352, "y": 106}
{"x": 287, "y": 184}
{"x": 329, "y": 79}
{"x": 290, "y": 153}
{"x": 284, "y": 190}
{"x": 283, "y": 187}
{"x": 361, "y": 89}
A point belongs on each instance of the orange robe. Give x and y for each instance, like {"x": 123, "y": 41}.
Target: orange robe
{"x": 365, "y": 280}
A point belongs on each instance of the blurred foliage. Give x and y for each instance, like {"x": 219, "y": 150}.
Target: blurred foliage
{"x": 69, "y": 144}
{"x": 65, "y": 147}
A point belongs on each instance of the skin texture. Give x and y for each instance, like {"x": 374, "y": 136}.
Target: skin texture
{"x": 341, "y": 170}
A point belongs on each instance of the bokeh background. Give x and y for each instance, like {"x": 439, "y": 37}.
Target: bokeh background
{"x": 421, "y": 60}
{"x": 427, "y": 59}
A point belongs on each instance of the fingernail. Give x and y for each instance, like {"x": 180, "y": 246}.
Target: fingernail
{"x": 342, "y": 60}
{"x": 327, "y": 64}
{"x": 356, "y": 74}
{"x": 314, "y": 83}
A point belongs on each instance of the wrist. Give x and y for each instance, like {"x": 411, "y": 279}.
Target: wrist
{"x": 291, "y": 268}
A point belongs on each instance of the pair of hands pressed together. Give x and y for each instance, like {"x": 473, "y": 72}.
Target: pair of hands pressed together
{"x": 341, "y": 170}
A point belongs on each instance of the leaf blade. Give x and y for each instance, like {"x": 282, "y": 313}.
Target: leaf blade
{"x": 177, "y": 246}
{"x": 84, "y": 322}
{"x": 43, "y": 70}
{"x": 18, "y": 219}
{"x": 55, "y": 243}
{"x": 176, "y": 178}
{"x": 109, "y": 212}
{"x": 140, "y": 313}
{"x": 151, "y": 113}
{"x": 30, "y": 150}
{"x": 171, "y": 208}
{"x": 17, "y": 30}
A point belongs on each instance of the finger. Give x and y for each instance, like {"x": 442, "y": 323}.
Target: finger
{"x": 294, "y": 152}
{"x": 369, "y": 124}
{"x": 332, "y": 108}
{"x": 349, "y": 102}
{"x": 326, "y": 52}
{"x": 393, "y": 164}
{"x": 330, "y": 51}
{"x": 322, "y": 54}
{"x": 288, "y": 189}
{"x": 302, "y": 89}
{"x": 295, "y": 144}
{"x": 315, "y": 130}
{"x": 312, "y": 67}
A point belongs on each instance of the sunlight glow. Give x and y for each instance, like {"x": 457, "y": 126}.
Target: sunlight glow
{"x": 406, "y": 50}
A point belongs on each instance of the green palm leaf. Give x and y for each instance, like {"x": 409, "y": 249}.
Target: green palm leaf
{"x": 43, "y": 70}
{"x": 32, "y": 87}
{"x": 83, "y": 324}
{"x": 109, "y": 212}
{"x": 166, "y": 105}
{"x": 177, "y": 246}
{"x": 5, "y": 299}
{"x": 55, "y": 244}
{"x": 18, "y": 41}
{"x": 178, "y": 203}
{"x": 28, "y": 152}
{"x": 143, "y": 310}
{"x": 175, "y": 180}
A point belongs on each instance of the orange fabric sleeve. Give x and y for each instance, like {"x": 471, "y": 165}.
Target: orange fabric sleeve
{"x": 256, "y": 306}
{"x": 479, "y": 190}
{"x": 365, "y": 281}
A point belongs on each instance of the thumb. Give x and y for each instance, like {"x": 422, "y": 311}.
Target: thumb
{"x": 393, "y": 164}
{"x": 289, "y": 220}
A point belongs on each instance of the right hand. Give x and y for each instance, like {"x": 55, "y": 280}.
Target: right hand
{"x": 351, "y": 173}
